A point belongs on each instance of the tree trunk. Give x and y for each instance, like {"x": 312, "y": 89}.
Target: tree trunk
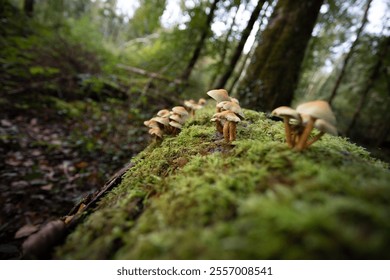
{"x": 195, "y": 56}
{"x": 221, "y": 61}
{"x": 28, "y": 7}
{"x": 375, "y": 74}
{"x": 237, "y": 53}
{"x": 273, "y": 73}
{"x": 349, "y": 54}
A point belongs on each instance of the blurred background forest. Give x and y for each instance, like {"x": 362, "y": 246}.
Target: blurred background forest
{"x": 79, "y": 77}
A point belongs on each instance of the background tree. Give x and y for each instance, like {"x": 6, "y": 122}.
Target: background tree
{"x": 237, "y": 52}
{"x": 200, "y": 43}
{"x": 272, "y": 75}
{"x": 350, "y": 53}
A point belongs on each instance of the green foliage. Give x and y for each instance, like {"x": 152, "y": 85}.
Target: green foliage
{"x": 146, "y": 19}
{"x": 219, "y": 201}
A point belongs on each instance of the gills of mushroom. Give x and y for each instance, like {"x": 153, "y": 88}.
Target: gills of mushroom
{"x": 287, "y": 113}
{"x": 310, "y": 113}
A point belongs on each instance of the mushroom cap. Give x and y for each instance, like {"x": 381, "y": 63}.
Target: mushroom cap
{"x": 231, "y": 106}
{"x": 317, "y": 109}
{"x": 156, "y": 131}
{"x": 235, "y": 100}
{"x": 219, "y": 95}
{"x": 285, "y": 111}
{"x": 175, "y": 124}
{"x": 163, "y": 113}
{"x": 163, "y": 121}
{"x": 177, "y": 118}
{"x": 202, "y": 101}
{"x": 190, "y": 103}
{"x": 226, "y": 115}
{"x": 180, "y": 110}
{"x": 151, "y": 123}
{"x": 326, "y": 127}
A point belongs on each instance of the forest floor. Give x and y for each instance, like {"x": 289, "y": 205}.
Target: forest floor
{"x": 49, "y": 161}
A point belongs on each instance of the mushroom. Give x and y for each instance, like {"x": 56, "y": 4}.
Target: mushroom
{"x": 202, "y": 102}
{"x": 287, "y": 113}
{"x": 230, "y": 106}
{"x": 312, "y": 112}
{"x": 192, "y": 106}
{"x": 156, "y": 132}
{"x": 228, "y": 120}
{"x": 180, "y": 110}
{"x": 176, "y": 126}
{"x": 155, "y": 128}
{"x": 177, "y": 118}
{"x": 164, "y": 113}
{"x": 219, "y": 95}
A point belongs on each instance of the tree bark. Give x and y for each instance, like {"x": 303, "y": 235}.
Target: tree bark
{"x": 237, "y": 53}
{"x": 28, "y": 7}
{"x": 349, "y": 54}
{"x": 375, "y": 74}
{"x": 273, "y": 73}
{"x": 195, "y": 56}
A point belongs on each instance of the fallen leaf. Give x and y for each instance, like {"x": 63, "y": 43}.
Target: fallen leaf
{"x": 6, "y": 123}
{"x": 25, "y": 231}
{"x": 47, "y": 187}
{"x": 40, "y": 243}
{"x": 81, "y": 164}
{"x": 19, "y": 184}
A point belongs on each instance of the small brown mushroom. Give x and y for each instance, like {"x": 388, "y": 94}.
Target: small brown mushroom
{"x": 230, "y": 106}
{"x": 287, "y": 114}
{"x": 310, "y": 113}
{"x": 228, "y": 120}
{"x": 202, "y": 101}
{"x": 192, "y": 106}
{"x": 164, "y": 113}
{"x": 219, "y": 95}
{"x": 176, "y": 127}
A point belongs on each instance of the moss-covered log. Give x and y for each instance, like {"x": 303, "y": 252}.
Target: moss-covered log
{"x": 195, "y": 197}
{"x": 273, "y": 73}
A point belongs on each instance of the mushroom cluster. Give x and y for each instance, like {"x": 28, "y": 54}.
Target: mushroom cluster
{"x": 167, "y": 122}
{"x": 299, "y": 123}
{"x": 192, "y": 106}
{"x": 228, "y": 114}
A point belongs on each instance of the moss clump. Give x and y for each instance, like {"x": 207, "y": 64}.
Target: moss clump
{"x": 195, "y": 197}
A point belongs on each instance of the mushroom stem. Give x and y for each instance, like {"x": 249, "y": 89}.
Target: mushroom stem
{"x": 287, "y": 130}
{"x": 219, "y": 126}
{"x": 232, "y": 131}
{"x": 305, "y": 135}
{"x": 226, "y": 131}
{"x": 314, "y": 139}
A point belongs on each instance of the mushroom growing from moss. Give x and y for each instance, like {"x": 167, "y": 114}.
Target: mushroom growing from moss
{"x": 287, "y": 113}
{"x": 219, "y": 95}
{"x": 311, "y": 112}
{"x": 177, "y": 118}
{"x": 299, "y": 123}
{"x": 230, "y": 106}
{"x": 228, "y": 120}
{"x": 155, "y": 129}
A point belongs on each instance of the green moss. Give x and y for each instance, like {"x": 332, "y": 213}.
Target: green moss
{"x": 195, "y": 197}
